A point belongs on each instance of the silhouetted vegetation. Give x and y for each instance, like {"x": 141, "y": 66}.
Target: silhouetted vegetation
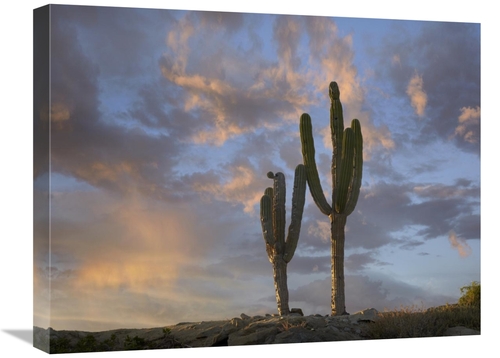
{"x": 409, "y": 322}
{"x": 471, "y": 295}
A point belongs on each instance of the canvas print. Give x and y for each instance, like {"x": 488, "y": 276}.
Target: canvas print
{"x": 208, "y": 178}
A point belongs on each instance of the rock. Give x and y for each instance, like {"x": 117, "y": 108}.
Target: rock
{"x": 243, "y": 330}
{"x": 296, "y": 311}
{"x": 237, "y": 322}
{"x": 460, "y": 331}
{"x": 253, "y": 335}
{"x": 368, "y": 315}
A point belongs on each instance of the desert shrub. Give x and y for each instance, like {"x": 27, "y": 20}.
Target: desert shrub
{"x": 135, "y": 343}
{"x": 412, "y": 322}
{"x": 471, "y": 295}
{"x": 87, "y": 344}
{"x": 60, "y": 345}
{"x": 110, "y": 343}
{"x": 404, "y": 323}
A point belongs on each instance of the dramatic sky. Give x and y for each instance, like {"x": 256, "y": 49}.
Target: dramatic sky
{"x": 165, "y": 123}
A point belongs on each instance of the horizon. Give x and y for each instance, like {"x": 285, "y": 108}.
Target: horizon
{"x": 181, "y": 116}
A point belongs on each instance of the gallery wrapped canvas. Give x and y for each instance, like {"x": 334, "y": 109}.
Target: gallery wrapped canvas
{"x": 207, "y": 179}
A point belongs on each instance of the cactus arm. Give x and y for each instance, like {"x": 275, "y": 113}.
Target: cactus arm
{"x": 267, "y": 224}
{"x": 357, "y": 169}
{"x": 279, "y": 211}
{"x": 308, "y": 153}
{"x": 298, "y": 200}
{"x": 337, "y": 133}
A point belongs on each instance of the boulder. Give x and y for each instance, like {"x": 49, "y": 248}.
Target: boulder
{"x": 367, "y": 315}
{"x": 243, "y": 330}
{"x": 460, "y": 331}
{"x": 296, "y": 311}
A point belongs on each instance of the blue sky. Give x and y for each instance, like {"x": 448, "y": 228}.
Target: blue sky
{"x": 165, "y": 123}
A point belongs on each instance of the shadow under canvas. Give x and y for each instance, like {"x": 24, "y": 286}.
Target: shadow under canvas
{"x": 25, "y": 335}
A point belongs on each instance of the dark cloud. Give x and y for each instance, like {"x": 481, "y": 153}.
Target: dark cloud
{"x": 363, "y": 291}
{"x": 447, "y": 58}
{"x": 398, "y": 214}
{"x": 469, "y": 226}
{"x": 230, "y": 22}
{"x": 391, "y": 206}
{"x": 360, "y": 262}
{"x": 306, "y": 265}
{"x": 90, "y": 146}
{"x": 112, "y": 34}
{"x": 287, "y": 33}
{"x": 408, "y": 243}
{"x": 380, "y": 165}
{"x": 155, "y": 108}
{"x": 290, "y": 152}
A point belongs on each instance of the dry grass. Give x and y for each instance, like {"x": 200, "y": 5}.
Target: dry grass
{"x": 286, "y": 325}
{"x": 409, "y": 322}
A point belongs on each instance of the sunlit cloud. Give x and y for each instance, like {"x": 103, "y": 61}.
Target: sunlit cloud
{"x": 98, "y": 171}
{"x": 127, "y": 247}
{"x": 59, "y": 112}
{"x": 374, "y": 138}
{"x": 468, "y": 127}
{"x": 417, "y": 95}
{"x": 324, "y": 45}
{"x": 459, "y": 244}
{"x": 433, "y": 191}
{"x": 178, "y": 42}
{"x": 321, "y": 230}
{"x": 242, "y": 187}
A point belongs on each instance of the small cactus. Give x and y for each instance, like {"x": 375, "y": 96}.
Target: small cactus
{"x": 347, "y": 168}
{"x": 272, "y": 217}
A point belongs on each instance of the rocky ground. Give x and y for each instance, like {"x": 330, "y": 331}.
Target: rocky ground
{"x": 243, "y": 330}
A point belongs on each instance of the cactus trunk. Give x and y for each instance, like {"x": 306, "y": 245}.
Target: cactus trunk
{"x": 281, "y": 284}
{"x": 346, "y": 170}
{"x": 338, "y": 239}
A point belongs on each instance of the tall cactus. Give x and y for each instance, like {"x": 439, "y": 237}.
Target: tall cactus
{"x": 272, "y": 217}
{"x": 347, "y": 167}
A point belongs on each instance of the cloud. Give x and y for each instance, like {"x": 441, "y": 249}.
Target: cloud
{"x": 365, "y": 291}
{"x": 459, "y": 244}
{"x": 417, "y": 95}
{"x": 386, "y": 211}
{"x": 462, "y": 189}
{"x": 360, "y": 261}
{"x": 325, "y": 44}
{"x": 431, "y": 54}
{"x": 240, "y": 188}
{"x": 96, "y": 146}
{"x": 468, "y": 128}
{"x": 239, "y": 182}
{"x": 132, "y": 251}
{"x": 320, "y": 229}
{"x": 244, "y": 93}
{"x": 230, "y": 22}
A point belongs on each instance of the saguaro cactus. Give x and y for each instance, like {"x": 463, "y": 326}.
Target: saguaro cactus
{"x": 272, "y": 217}
{"x": 347, "y": 167}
